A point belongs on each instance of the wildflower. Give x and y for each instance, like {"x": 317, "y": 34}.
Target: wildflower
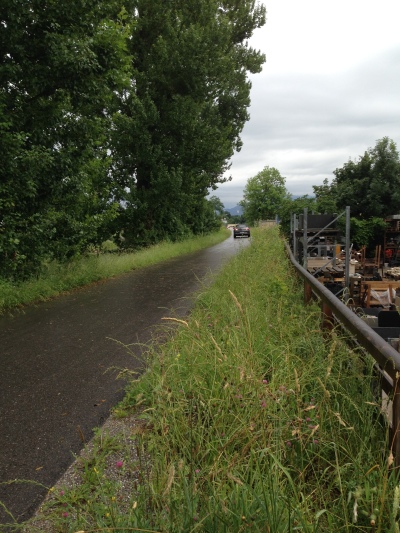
{"x": 315, "y": 441}
{"x": 288, "y": 443}
{"x": 119, "y": 464}
{"x": 197, "y": 471}
{"x": 65, "y": 514}
{"x": 62, "y": 493}
{"x": 263, "y": 404}
{"x": 265, "y": 381}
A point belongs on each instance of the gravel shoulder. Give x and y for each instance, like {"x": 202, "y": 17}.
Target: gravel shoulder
{"x": 124, "y": 433}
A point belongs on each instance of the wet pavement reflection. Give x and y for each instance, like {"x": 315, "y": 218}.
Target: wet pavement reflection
{"x": 59, "y": 362}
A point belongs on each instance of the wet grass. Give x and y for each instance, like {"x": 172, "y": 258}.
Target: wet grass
{"x": 58, "y": 278}
{"x": 251, "y": 420}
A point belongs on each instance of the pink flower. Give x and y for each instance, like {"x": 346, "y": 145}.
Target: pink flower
{"x": 65, "y": 514}
{"x": 119, "y": 464}
{"x": 288, "y": 443}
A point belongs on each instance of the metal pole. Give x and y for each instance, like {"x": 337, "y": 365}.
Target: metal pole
{"x": 347, "y": 257}
{"x": 305, "y": 238}
{"x": 395, "y": 444}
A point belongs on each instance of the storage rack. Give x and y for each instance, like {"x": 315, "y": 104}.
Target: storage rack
{"x": 319, "y": 235}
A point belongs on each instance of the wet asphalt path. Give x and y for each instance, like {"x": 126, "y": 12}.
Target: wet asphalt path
{"x": 56, "y": 385}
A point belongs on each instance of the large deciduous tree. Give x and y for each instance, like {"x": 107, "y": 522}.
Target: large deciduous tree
{"x": 371, "y": 184}
{"x": 191, "y": 60}
{"x": 61, "y": 63}
{"x": 265, "y": 196}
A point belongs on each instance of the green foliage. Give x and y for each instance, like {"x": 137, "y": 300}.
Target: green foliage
{"x": 295, "y": 206}
{"x": 325, "y": 198}
{"x": 371, "y": 185}
{"x": 116, "y": 118}
{"x": 62, "y": 64}
{"x": 183, "y": 123}
{"x": 366, "y": 232}
{"x": 265, "y": 196}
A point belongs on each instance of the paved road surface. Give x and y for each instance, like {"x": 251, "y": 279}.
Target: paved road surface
{"x": 55, "y": 387}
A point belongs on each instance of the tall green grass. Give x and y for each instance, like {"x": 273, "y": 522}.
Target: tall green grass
{"x": 254, "y": 421}
{"x": 57, "y": 278}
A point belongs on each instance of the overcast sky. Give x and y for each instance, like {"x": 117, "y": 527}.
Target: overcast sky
{"x": 330, "y": 88}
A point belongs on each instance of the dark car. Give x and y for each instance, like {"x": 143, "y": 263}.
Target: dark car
{"x": 241, "y": 230}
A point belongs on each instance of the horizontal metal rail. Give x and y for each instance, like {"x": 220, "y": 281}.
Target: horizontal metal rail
{"x": 384, "y": 354}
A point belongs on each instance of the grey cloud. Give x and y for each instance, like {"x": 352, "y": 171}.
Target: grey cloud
{"x": 309, "y": 125}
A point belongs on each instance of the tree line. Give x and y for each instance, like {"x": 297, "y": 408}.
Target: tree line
{"x": 369, "y": 184}
{"x": 117, "y": 117}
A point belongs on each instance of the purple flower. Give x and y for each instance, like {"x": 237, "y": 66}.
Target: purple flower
{"x": 65, "y": 514}
{"x": 119, "y": 464}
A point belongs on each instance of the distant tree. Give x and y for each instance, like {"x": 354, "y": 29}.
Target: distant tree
{"x": 371, "y": 185}
{"x": 295, "y": 206}
{"x": 217, "y": 205}
{"x": 264, "y": 196}
{"x": 325, "y": 198}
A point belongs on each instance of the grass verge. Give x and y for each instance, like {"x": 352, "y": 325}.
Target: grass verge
{"x": 250, "y": 420}
{"x": 58, "y": 278}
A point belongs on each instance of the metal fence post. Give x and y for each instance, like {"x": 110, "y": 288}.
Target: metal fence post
{"x": 307, "y": 292}
{"x": 396, "y": 421}
{"x": 327, "y": 321}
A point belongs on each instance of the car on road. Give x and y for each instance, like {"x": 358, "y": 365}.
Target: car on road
{"x": 241, "y": 230}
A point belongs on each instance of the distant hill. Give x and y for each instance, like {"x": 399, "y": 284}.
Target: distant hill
{"x": 237, "y": 210}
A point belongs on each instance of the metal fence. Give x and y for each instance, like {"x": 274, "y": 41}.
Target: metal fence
{"x": 334, "y": 311}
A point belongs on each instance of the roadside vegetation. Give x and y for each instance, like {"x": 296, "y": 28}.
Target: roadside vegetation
{"x": 96, "y": 265}
{"x": 248, "y": 419}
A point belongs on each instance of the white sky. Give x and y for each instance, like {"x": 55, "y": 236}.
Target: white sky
{"x": 330, "y": 88}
